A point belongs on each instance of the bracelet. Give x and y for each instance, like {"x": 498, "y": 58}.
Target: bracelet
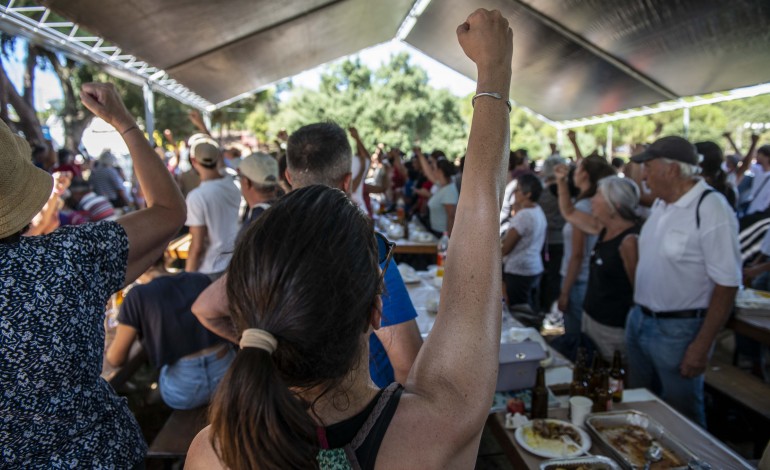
{"x": 129, "y": 130}
{"x": 496, "y": 96}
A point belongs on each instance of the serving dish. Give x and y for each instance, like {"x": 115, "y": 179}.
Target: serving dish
{"x": 627, "y": 435}
{"x": 589, "y": 462}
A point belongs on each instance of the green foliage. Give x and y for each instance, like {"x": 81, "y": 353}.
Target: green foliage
{"x": 394, "y": 105}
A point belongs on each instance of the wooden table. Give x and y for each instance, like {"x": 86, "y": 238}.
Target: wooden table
{"x": 756, "y": 327}
{"x": 701, "y": 443}
{"x": 179, "y": 247}
{"x": 406, "y": 247}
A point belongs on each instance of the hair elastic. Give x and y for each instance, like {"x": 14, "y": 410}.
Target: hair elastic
{"x": 256, "y": 338}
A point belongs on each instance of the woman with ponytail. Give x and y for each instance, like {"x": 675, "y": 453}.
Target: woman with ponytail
{"x": 303, "y": 294}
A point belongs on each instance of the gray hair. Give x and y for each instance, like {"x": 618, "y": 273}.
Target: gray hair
{"x": 621, "y": 194}
{"x": 686, "y": 171}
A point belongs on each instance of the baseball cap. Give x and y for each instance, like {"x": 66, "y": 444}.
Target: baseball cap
{"x": 671, "y": 147}
{"x": 205, "y": 150}
{"x": 259, "y": 168}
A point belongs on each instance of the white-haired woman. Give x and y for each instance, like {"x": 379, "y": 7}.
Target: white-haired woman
{"x": 56, "y": 411}
{"x": 610, "y": 293}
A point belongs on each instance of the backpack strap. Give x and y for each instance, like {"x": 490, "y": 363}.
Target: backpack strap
{"x": 697, "y": 208}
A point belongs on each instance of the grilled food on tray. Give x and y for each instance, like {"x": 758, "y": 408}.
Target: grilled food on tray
{"x": 633, "y": 442}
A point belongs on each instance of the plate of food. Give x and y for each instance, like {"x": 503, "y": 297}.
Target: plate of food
{"x": 551, "y": 438}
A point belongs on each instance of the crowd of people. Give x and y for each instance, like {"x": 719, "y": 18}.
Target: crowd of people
{"x": 288, "y": 293}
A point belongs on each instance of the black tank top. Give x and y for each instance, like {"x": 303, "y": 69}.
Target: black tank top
{"x": 362, "y": 434}
{"x": 610, "y": 294}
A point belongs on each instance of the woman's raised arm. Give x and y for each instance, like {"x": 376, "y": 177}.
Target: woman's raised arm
{"x": 455, "y": 370}
{"x": 149, "y": 230}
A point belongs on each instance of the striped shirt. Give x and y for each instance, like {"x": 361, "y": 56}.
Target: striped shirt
{"x": 97, "y": 207}
{"x": 106, "y": 182}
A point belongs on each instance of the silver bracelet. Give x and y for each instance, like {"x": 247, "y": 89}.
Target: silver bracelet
{"x": 496, "y": 96}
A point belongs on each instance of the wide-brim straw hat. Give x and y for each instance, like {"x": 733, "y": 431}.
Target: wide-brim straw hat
{"x": 24, "y": 188}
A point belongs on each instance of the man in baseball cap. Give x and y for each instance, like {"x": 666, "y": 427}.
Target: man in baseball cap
{"x": 688, "y": 273}
{"x": 259, "y": 185}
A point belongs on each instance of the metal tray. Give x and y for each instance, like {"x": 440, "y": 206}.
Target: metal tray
{"x": 596, "y": 462}
{"x": 632, "y": 417}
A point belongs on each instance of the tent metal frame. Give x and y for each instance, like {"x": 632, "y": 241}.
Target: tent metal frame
{"x": 62, "y": 36}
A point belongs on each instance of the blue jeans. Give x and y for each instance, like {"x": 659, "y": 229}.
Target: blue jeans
{"x": 655, "y": 349}
{"x": 571, "y": 340}
{"x": 189, "y": 383}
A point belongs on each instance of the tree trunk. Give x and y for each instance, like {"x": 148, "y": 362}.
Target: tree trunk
{"x": 29, "y": 74}
{"x": 28, "y": 121}
{"x": 75, "y": 117}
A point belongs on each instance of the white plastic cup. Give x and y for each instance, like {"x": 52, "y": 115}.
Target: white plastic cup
{"x": 579, "y": 408}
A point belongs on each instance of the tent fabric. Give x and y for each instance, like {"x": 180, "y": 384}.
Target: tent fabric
{"x": 572, "y": 58}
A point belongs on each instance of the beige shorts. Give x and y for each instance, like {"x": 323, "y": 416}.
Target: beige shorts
{"x": 608, "y": 339}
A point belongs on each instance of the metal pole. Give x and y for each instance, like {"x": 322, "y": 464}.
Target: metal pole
{"x": 686, "y": 119}
{"x": 608, "y": 148}
{"x": 149, "y": 111}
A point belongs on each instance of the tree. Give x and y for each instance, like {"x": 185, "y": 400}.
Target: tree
{"x": 23, "y": 104}
{"x": 394, "y": 105}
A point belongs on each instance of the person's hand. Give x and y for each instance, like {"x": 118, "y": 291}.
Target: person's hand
{"x": 571, "y": 135}
{"x": 751, "y": 272}
{"x": 563, "y": 302}
{"x": 103, "y": 100}
{"x": 486, "y": 39}
{"x": 561, "y": 172}
{"x": 417, "y": 150}
{"x": 727, "y": 135}
{"x": 283, "y": 135}
{"x": 754, "y": 138}
{"x": 353, "y": 132}
{"x": 169, "y": 136}
{"x": 197, "y": 119}
{"x": 61, "y": 181}
{"x": 695, "y": 360}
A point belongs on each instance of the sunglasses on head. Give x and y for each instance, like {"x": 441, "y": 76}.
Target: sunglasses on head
{"x": 384, "y": 251}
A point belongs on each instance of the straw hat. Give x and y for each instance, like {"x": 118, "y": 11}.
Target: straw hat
{"x": 24, "y": 188}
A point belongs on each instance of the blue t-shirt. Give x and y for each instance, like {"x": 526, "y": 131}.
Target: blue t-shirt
{"x": 396, "y": 308}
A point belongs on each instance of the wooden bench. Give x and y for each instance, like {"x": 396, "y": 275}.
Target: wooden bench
{"x": 177, "y": 434}
{"x": 741, "y": 387}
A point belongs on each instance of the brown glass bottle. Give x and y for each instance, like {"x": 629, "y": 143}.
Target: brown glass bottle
{"x": 617, "y": 377}
{"x": 577, "y": 387}
{"x": 539, "y": 396}
{"x": 603, "y": 400}
{"x": 592, "y": 377}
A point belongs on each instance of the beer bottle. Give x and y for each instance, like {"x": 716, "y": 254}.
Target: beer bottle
{"x": 593, "y": 378}
{"x": 617, "y": 376}
{"x": 577, "y": 386}
{"x": 603, "y": 400}
{"x": 539, "y": 396}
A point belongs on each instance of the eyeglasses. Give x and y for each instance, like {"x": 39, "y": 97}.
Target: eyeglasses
{"x": 384, "y": 252}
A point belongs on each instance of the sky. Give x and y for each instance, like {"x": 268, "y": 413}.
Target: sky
{"x": 47, "y": 86}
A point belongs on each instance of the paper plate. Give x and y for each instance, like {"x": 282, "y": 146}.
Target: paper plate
{"x": 552, "y": 449}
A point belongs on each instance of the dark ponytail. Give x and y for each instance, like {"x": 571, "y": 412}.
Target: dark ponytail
{"x": 306, "y": 272}
{"x": 258, "y": 418}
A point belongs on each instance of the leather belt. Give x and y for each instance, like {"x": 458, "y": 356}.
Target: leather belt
{"x": 693, "y": 313}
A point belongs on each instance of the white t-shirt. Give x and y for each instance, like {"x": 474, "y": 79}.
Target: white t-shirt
{"x": 215, "y": 205}
{"x": 583, "y": 205}
{"x": 760, "y": 191}
{"x": 358, "y": 194}
{"x": 525, "y": 259}
{"x": 679, "y": 264}
{"x": 446, "y": 195}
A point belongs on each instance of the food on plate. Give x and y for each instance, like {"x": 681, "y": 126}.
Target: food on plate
{"x": 549, "y": 436}
{"x": 633, "y": 441}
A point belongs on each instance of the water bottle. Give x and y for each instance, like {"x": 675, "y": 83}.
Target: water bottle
{"x": 441, "y": 248}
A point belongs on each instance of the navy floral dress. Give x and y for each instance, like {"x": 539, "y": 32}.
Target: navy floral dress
{"x": 55, "y": 409}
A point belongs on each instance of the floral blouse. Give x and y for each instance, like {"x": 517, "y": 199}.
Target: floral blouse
{"x": 55, "y": 409}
